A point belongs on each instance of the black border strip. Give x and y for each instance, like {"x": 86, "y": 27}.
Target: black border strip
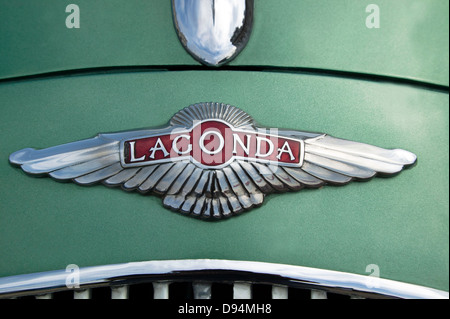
{"x": 249, "y": 68}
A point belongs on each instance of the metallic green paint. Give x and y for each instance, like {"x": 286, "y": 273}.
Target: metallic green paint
{"x": 412, "y": 41}
{"x": 399, "y": 223}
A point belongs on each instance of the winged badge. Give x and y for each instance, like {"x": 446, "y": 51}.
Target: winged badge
{"x": 212, "y": 161}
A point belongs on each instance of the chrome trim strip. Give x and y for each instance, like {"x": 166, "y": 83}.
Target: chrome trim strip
{"x": 315, "y": 278}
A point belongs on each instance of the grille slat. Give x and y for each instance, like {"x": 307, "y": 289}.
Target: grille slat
{"x": 242, "y": 290}
{"x": 279, "y": 292}
{"x": 119, "y": 292}
{"x": 82, "y": 294}
{"x": 176, "y": 289}
{"x": 202, "y": 290}
{"x": 318, "y": 294}
{"x": 161, "y": 290}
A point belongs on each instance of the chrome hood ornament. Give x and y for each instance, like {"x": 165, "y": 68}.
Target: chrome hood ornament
{"x": 212, "y": 161}
{"x": 213, "y": 31}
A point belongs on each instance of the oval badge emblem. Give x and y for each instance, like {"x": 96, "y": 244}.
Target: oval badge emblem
{"x": 213, "y": 161}
{"x": 213, "y": 31}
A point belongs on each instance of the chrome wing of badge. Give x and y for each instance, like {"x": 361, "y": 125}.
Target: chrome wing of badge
{"x": 212, "y": 161}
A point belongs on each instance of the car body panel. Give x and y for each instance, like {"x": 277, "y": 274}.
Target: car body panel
{"x": 399, "y": 223}
{"x": 411, "y": 43}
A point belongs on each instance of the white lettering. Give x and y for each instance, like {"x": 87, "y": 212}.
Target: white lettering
{"x": 373, "y": 279}
{"x": 159, "y": 146}
{"x": 373, "y": 19}
{"x": 258, "y": 146}
{"x": 132, "y": 154}
{"x": 73, "y": 19}
{"x": 175, "y": 147}
{"x": 285, "y": 149}
{"x": 237, "y": 139}
{"x": 206, "y": 310}
{"x": 73, "y": 278}
{"x": 202, "y": 142}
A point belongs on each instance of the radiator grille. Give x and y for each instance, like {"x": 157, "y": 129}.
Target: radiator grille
{"x": 188, "y": 290}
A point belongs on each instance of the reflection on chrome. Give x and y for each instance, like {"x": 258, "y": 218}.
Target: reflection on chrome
{"x": 319, "y": 281}
{"x": 213, "y": 31}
